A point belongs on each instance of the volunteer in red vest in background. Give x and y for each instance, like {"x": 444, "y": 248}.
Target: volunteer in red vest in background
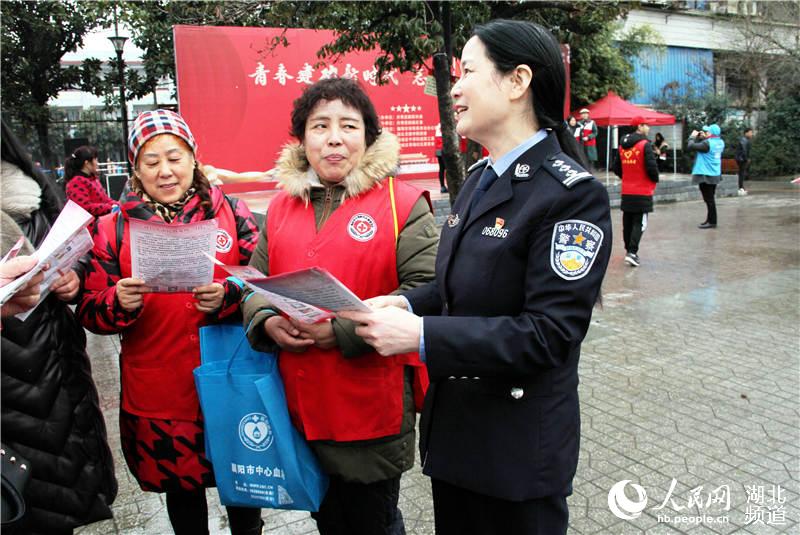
{"x": 438, "y": 144}
{"x": 588, "y": 137}
{"x": 161, "y": 426}
{"x": 636, "y": 165}
{"x": 341, "y": 209}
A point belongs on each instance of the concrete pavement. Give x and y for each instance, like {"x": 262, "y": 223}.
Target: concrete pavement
{"x": 690, "y": 387}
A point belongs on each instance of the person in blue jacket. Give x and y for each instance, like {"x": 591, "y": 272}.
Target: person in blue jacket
{"x": 707, "y": 170}
{"x": 520, "y": 264}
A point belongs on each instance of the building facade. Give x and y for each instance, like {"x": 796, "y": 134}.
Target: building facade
{"x": 725, "y": 47}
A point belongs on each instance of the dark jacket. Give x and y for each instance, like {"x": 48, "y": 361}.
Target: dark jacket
{"x": 637, "y": 203}
{"x": 50, "y": 410}
{"x": 743, "y": 150}
{"x": 517, "y": 278}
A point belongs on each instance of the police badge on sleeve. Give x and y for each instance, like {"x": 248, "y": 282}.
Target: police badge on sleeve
{"x": 574, "y": 247}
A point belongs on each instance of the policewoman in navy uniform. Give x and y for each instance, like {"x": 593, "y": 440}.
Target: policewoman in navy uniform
{"x": 519, "y": 269}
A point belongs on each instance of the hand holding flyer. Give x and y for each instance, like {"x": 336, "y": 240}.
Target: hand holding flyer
{"x": 315, "y": 286}
{"x": 67, "y": 240}
{"x": 309, "y": 295}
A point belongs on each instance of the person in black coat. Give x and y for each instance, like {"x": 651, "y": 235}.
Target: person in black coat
{"x": 743, "y": 158}
{"x": 50, "y": 411}
{"x": 520, "y": 264}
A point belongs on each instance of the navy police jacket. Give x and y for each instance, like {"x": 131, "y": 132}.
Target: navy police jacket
{"x": 516, "y": 281}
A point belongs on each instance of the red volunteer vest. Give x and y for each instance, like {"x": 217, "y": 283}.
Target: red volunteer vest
{"x": 587, "y": 131}
{"x": 634, "y": 176}
{"x": 162, "y": 348}
{"x": 331, "y": 397}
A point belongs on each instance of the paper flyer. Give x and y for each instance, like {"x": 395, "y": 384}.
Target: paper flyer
{"x": 67, "y": 240}
{"x": 309, "y": 295}
{"x": 170, "y": 258}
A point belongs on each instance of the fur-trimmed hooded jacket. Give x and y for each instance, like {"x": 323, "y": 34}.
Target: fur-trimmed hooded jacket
{"x": 50, "y": 409}
{"x": 416, "y": 246}
{"x": 416, "y": 254}
{"x": 380, "y": 160}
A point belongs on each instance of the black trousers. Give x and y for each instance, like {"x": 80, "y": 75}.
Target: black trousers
{"x": 188, "y": 514}
{"x": 442, "y": 169}
{"x": 458, "y": 511}
{"x": 360, "y": 509}
{"x": 744, "y": 173}
{"x": 633, "y": 226}
{"x": 708, "y": 191}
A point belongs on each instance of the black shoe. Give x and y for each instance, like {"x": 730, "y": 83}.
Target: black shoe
{"x": 443, "y": 190}
{"x": 707, "y": 225}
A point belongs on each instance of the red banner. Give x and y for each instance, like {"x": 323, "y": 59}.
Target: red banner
{"x": 236, "y": 93}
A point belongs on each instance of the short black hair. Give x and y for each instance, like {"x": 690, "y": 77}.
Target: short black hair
{"x": 748, "y": 129}
{"x": 349, "y": 92}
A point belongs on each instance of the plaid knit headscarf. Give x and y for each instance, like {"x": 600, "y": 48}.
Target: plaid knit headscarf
{"x": 152, "y": 123}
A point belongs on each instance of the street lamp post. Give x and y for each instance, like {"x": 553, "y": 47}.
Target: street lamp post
{"x": 119, "y": 43}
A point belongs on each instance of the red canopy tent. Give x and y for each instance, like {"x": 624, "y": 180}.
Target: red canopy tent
{"x": 613, "y": 110}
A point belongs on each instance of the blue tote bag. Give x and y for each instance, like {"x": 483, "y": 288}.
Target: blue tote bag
{"x": 259, "y": 458}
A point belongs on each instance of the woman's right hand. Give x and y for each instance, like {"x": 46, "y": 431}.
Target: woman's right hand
{"x": 286, "y": 335}
{"x": 130, "y": 293}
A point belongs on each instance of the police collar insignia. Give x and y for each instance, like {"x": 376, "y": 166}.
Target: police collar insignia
{"x": 453, "y": 220}
{"x": 522, "y": 170}
{"x": 574, "y": 247}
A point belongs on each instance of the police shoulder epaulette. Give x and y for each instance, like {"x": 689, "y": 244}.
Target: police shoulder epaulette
{"x": 566, "y": 170}
{"x": 477, "y": 165}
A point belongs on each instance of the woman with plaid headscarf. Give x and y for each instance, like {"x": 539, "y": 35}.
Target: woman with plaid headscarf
{"x": 160, "y": 420}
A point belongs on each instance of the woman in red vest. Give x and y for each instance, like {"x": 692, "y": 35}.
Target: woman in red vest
{"x": 588, "y": 136}
{"x": 636, "y": 165}
{"x": 160, "y": 421}
{"x": 342, "y": 210}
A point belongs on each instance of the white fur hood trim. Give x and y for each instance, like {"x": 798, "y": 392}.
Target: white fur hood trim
{"x": 20, "y": 195}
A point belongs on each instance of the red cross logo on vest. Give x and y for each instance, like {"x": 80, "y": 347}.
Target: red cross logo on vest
{"x": 224, "y": 241}
{"x": 362, "y": 227}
